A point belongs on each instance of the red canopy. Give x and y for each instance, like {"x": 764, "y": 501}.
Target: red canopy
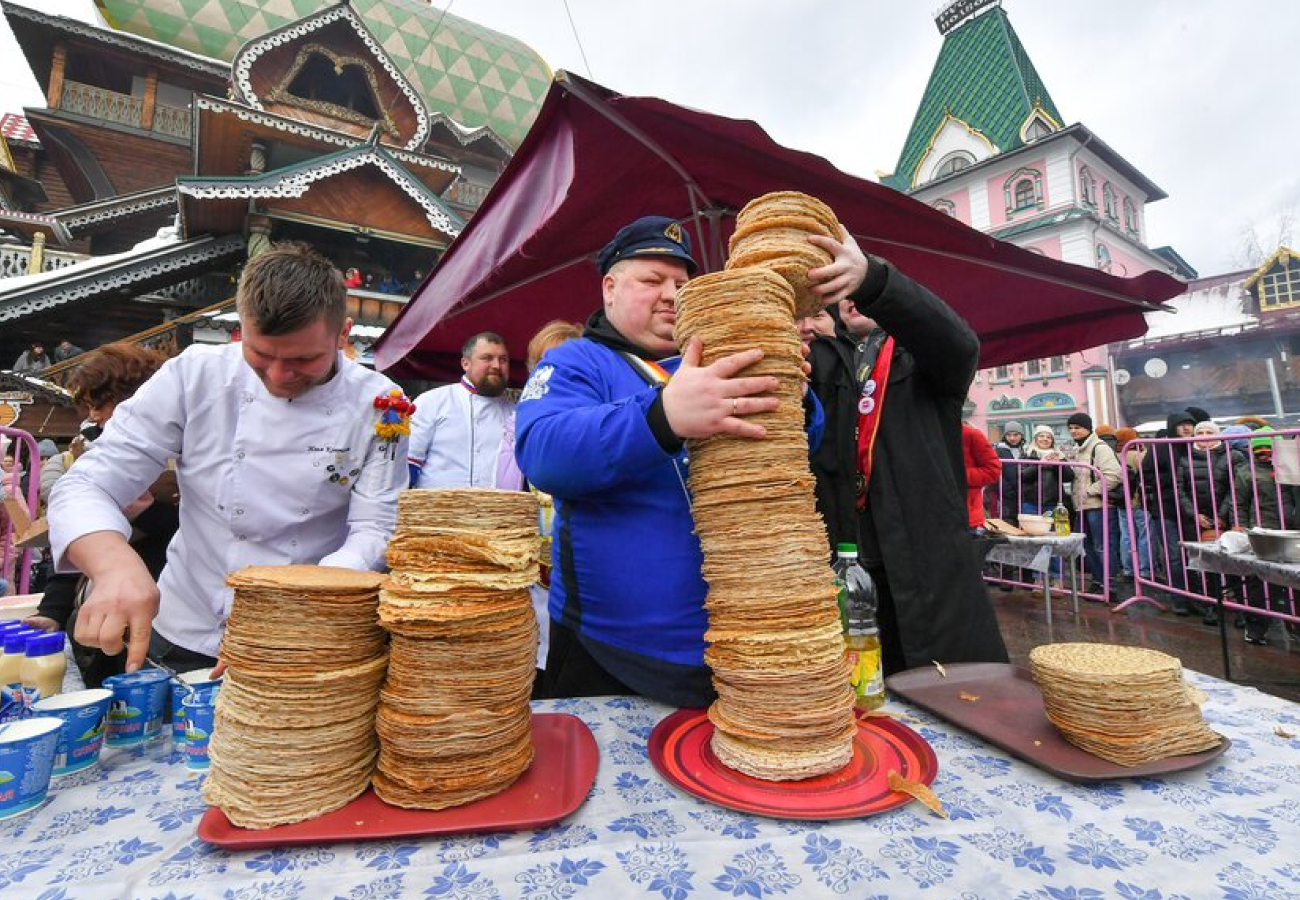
{"x": 594, "y": 161}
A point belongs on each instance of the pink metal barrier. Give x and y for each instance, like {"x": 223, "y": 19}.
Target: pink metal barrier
{"x": 1174, "y": 491}
{"x": 1030, "y": 484}
{"x": 1191, "y": 489}
{"x": 16, "y": 565}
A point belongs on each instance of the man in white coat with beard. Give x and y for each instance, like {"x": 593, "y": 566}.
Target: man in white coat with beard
{"x": 457, "y": 429}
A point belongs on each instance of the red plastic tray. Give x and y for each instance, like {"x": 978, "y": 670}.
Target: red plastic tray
{"x": 556, "y": 784}
{"x": 1009, "y": 714}
{"x": 681, "y": 751}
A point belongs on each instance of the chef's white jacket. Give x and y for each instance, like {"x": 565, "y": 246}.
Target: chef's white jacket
{"x": 456, "y": 436}
{"x": 263, "y": 481}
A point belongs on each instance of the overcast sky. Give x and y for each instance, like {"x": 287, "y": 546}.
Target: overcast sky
{"x": 1197, "y": 94}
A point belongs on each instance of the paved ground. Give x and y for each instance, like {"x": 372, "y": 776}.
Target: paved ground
{"x": 1274, "y": 669}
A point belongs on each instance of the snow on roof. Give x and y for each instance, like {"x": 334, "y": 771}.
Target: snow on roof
{"x": 1219, "y": 304}
{"x": 365, "y": 332}
{"x": 166, "y": 237}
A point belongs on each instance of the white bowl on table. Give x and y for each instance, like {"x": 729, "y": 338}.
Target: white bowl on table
{"x": 19, "y": 606}
{"x": 1035, "y": 526}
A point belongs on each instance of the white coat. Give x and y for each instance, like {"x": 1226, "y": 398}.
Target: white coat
{"x": 456, "y": 436}
{"x": 263, "y": 481}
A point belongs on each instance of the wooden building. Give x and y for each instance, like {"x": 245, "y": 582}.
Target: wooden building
{"x": 153, "y": 172}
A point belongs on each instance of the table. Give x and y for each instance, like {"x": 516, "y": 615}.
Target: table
{"x": 1228, "y": 830}
{"x": 1035, "y": 552}
{"x": 1208, "y": 556}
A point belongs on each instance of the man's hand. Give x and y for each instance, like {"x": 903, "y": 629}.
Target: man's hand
{"x": 845, "y": 273}
{"x": 122, "y": 595}
{"x": 701, "y": 401}
{"x": 44, "y": 623}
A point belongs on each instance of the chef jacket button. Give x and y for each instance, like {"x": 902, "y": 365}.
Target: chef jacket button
{"x": 293, "y": 543}
{"x": 328, "y": 411}
{"x": 304, "y": 510}
{"x": 239, "y": 537}
{"x": 239, "y": 511}
{"x": 220, "y": 507}
{"x": 239, "y": 454}
{"x": 248, "y": 398}
{"x": 316, "y": 464}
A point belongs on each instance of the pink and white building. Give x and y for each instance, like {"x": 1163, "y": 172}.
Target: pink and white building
{"x": 988, "y": 146}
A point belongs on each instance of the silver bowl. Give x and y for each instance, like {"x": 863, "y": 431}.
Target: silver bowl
{"x": 1275, "y": 545}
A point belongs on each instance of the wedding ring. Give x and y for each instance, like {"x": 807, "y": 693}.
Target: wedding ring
{"x": 733, "y": 406}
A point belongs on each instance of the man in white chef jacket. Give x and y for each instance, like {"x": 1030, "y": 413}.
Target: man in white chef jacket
{"x": 457, "y": 429}
{"x": 278, "y": 460}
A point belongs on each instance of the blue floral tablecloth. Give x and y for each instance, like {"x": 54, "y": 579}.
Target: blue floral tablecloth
{"x": 1230, "y": 830}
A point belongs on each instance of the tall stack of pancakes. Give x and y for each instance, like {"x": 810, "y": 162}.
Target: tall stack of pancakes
{"x": 1128, "y": 705}
{"x": 295, "y": 721}
{"x": 454, "y": 721}
{"x": 772, "y": 232}
{"x": 785, "y": 708}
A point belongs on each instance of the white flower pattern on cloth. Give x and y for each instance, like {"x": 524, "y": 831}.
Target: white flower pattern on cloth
{"x": 1227, "y": 831}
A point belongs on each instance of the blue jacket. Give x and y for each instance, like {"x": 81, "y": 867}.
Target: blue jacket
{"x": 626, "y": 562}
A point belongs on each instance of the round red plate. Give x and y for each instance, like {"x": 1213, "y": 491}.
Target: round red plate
{"x": 680, "y": 749}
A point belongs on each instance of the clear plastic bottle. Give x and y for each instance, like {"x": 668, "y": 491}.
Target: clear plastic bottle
{"x": 1061, "y": 520}
{"x": 858, "y": 601}
{"x": 43, "y": 668}
{"x": 844, "y": 554}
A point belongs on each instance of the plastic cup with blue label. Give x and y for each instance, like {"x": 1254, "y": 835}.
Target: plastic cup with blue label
{"x": 199, "y": 679}
{"x": 200, "y": 712}
{"x": 83, "y": 714}
{"x": 27, "y": 751}
{"x": 135, "y": 714}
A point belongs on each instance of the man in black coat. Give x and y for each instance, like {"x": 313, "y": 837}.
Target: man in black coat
{"x": 910, "y": 526}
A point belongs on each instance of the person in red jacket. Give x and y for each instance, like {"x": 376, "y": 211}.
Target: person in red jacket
{"x": 982, "y": 469}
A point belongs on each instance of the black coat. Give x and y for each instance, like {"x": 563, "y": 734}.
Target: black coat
{"x": 1011, "y": 484}
{"x": 917, "y": 494}
{"x": 1204, "y": 481}
{"x": 1040, "y": 484}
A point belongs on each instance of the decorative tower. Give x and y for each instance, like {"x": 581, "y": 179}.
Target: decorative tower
{"x": 988, "y": 146}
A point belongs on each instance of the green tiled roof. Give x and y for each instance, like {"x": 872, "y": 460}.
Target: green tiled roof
{"x": 474, "y": 75}
{"x": 984, "y": 77}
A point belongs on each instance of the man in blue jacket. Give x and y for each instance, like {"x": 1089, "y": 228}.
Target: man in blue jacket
{"x": 600, "y": 426}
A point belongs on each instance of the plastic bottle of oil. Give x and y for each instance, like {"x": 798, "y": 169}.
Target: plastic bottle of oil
{"x": 1061, "y": 520}
{"x": 858, "y": 601}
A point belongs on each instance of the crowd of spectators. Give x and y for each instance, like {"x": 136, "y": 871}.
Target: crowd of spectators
{"x": 35, "y": 359}
{"x": 1157, "y": 496}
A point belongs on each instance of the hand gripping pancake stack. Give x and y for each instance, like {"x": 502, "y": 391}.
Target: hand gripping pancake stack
{"x": 785, "y": 708}
{"x": 772, "y": 232}
{"x": 295, "y": 721}
{"x": 1128, "y": 705}
{"x": 454, "y": 721}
